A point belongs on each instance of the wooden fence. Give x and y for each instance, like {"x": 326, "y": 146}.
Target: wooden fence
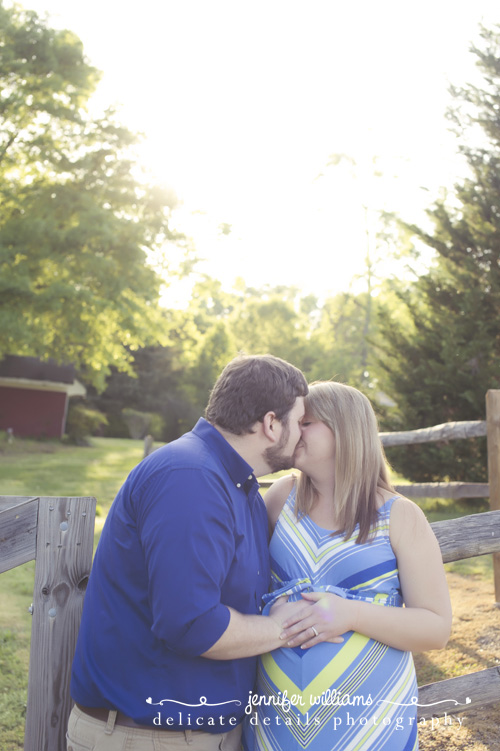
{"x": 58, "y": 534}
{"x": 461, "y": 538}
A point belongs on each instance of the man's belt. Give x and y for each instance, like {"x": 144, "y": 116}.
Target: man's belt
{"x": 102, "y": 714}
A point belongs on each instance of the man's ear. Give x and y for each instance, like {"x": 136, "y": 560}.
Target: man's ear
{"x": 269, "y": 426}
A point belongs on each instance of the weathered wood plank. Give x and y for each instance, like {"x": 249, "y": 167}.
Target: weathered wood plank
{"x": 493, "y": 432}
{"x": 63, "y": 561}
{"x": 18, "y": 533}
{"x": 468, "y": 536}
{"x": 459, "y": 695}
{"x": 444, "y": 490}
{"x": 448, "y": 431}
{"x": 7, "y": 501}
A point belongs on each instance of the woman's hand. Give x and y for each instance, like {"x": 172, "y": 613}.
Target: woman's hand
{"x": 288, "y": 613}
{"x": 283, "y": 611}
{"x": 324, "y": 618}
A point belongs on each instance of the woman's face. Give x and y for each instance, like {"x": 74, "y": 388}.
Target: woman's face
{"x": 316, "y": 448}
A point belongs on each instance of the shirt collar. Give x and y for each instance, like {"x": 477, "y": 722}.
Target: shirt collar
{"x": 240, "y": 472}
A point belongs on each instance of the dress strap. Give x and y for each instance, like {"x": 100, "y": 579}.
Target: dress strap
{"x": 382, "y": 528}
{"x": 385, "y": 510}
{"x": 289, "y": 505}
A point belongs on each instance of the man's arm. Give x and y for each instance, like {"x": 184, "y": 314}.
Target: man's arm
{"x": 250, "y": 635}
{"x": 186, "y": 532}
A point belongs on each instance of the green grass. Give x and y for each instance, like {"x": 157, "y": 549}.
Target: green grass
{"x": 14, "y": 650}
{"x": 49, "y": 468}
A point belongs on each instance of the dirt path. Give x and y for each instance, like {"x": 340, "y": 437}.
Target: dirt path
{"x": 474, "y": 645}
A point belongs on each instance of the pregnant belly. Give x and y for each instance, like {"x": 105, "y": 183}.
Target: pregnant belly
{"x": 347, "y": 674}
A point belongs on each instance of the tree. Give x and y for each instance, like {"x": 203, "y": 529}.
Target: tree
{"x": 76, "y": 227}
{"x": 160, "y": 381}
{"x": 443, "y": 363}
{"x": 340, "y": 340}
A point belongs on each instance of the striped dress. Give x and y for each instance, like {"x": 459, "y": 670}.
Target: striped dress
{"x": 359, "y": 695}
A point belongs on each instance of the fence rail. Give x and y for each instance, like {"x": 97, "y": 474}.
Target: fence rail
{"x": 460, "y": 694}
{"x": 449, "y": 431}
{"x": 465, "y": 537}
{"x": 468, "y": 536}
{"x": 445, "y": 490}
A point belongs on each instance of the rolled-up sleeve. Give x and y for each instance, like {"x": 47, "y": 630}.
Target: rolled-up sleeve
{"x": 186, "y": 528}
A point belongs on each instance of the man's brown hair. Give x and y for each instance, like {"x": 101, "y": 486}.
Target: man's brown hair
{"x": 249, "y": 387}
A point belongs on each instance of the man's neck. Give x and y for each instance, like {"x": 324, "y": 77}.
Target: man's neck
{"x": 249, "y": 447}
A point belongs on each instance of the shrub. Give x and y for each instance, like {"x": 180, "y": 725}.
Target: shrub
{"x": 83, "y": 422}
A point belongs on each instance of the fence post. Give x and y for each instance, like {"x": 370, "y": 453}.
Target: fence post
{"x": 493, "y": 438}
{"x": 63, "y": 559}
{"x": 148, "y": 445}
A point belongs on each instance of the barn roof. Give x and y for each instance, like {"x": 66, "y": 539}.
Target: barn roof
{"x": 31, "y": 368}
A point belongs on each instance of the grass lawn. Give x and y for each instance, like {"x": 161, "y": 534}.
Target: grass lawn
{"x": 30, "y": 468}
{"x": 49, "y": 468}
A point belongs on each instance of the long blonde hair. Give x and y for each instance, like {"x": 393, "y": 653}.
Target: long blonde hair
{"x": 359, "y": 463}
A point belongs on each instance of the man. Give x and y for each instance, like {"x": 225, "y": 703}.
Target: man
{"x": 171, "y": 623}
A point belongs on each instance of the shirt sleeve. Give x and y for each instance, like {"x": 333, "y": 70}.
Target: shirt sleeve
{"x": 186, "y": 528}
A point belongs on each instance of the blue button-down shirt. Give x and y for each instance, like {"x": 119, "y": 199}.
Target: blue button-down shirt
{"x": 185, "y": 537}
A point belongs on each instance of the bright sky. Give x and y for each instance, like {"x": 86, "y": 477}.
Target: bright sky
{"x": 242, "y": 103}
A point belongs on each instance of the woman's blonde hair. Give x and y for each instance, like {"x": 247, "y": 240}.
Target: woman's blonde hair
{"x": 359, "y": 463}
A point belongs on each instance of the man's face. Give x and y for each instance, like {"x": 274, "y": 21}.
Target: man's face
{"x": 281, "y": 455}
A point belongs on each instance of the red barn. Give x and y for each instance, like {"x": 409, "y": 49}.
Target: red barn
{"x": 34, "y": 396}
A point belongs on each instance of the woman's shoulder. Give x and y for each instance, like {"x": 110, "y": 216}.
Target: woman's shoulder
{"x": 396, "y": 502}
{"x": 404, "y": 508}
{"x": 407, "y": 520}
{"x": 276, "y": 496}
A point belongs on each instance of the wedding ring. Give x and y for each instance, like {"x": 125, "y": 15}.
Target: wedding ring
{"x": 314, "y": 631}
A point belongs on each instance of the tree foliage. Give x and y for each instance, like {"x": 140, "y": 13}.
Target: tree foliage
{"x": 76, "y": 227}
{"x": 341, "y": 340}
{"x": 442, "y": 365}
{"x": 45, "y": 82}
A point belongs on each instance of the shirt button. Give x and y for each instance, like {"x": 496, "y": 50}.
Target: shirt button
{"x": 238, "y": 484}
{"x": 260, "y": 608}
{"x": 250, "y": 477}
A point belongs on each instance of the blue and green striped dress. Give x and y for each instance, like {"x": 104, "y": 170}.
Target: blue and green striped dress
{"x": 359, "y": 695}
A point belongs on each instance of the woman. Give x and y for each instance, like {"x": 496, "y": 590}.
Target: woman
{"x": 354, "y": 551}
